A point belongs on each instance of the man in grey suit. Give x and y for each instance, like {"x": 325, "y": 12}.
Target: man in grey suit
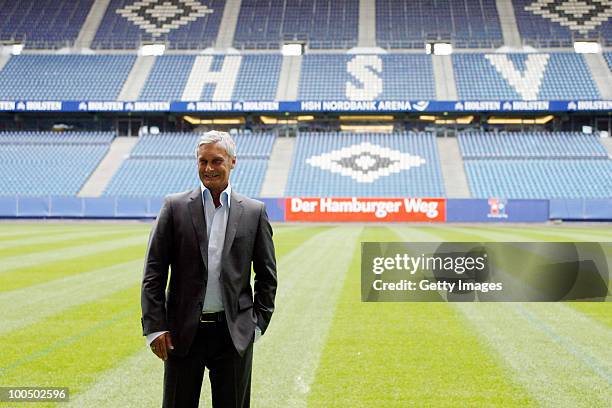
{"x": 208, "y": 317}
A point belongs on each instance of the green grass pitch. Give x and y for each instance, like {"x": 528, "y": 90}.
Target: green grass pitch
{"x": 70, "y": 317}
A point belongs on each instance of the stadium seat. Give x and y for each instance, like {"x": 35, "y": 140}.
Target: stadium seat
{"x": 365, "y": 165}
{"x": 65, "y": 77}
{"x": 257, "y": 77}
{"x": 390, "y": 77}
{"x": 410, "y": 24}
{"x": 47, "y": 163}
{"x": 165, "y": 163}
{"x": 536, "y": 165}
{"x": 543, "y": 26}
{"x": 43, "y": 24}
{"x": 265, "y": 24}
{"x": 188, "y": 25}
{"x": 541, "y": 76}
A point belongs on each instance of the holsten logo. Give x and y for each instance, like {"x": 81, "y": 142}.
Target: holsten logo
{"x": 366, "y": 209}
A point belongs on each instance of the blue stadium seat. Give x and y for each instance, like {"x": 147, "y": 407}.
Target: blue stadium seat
{"x": 536, "y": 165}
{"x": 165, "y": 163}
{"x": 545, "y": 145}
{"x": 400, "y": 77}
{"x": 167, "y": 78}
{"x": 365, "y": 165}
{"x": 608, "y": 58}
{"x": 188, "y": 25}
{"x": 257, "y": 77}
{"x": 541, "y": 76}
{"x": 43, "y": 24}
{"x": 266, "y": 24}
{"x": 561, "y": 23}
{"x": 65, "y": 77}
{"x": 519, "y": 178}
{"x": 410, "y": 23}
{"x": 46, "y": 163}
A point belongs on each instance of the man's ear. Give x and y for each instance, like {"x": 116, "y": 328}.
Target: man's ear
{"x": 233, "y": 162}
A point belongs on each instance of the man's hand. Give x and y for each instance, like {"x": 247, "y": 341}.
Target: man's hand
{"x": 161, "y": 345}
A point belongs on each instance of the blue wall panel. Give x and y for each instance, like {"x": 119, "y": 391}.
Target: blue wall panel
{"x": 457, "y": 210}
{"x": 33, "y": 206}
{"x": 66, "y": 207}
{"x": 8, "y": 206}
{"x": 581, "y": 209}
{"x": 496, "y": 210}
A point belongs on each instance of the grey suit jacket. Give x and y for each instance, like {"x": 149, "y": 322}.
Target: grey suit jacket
{"x": 178, "y": 241}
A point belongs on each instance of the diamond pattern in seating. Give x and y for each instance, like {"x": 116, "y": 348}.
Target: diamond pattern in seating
{"x": 578, "y": 15}
{"x": 159, "y": 17}
{"x": 365, "y": 162}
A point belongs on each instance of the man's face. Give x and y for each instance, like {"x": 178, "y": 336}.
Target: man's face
{"x": 214, "y": 166}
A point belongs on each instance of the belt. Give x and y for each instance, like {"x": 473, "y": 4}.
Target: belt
{"x": 214, "y": 317}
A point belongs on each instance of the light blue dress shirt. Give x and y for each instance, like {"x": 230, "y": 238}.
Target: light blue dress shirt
{"x": 216, "y": 224}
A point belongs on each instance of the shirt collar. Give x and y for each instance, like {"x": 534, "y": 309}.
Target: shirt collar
{"x": 226, "y": 194}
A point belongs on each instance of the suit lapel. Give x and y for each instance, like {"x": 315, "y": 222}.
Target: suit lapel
{"x": 196, "y": 208}
{"x": 233, "y": 220}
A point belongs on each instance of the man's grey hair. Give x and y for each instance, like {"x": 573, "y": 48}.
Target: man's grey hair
{"x": 223, "y": 138}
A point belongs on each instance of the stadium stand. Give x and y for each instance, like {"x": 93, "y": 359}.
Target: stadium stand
{"x": 43, "y": 24}
{"x": 536, "y": 165}
{"x": 560, "y": 22}
{"x": 180, "y": 24}
{"x": 367, "y": 165}
{"x": 266, "y": 24}
{"x": 540, "y": 178}
{"x": 410, "y": 24}
{"x": 608, "y": 58}
{"x": 168, "y": 78}
{"x": 257, "y": 77}
{"x": 163, "y": 164}
{"x": 530, "y": 145}
{"x": 47, "y": 163}
{"x": 543, "y": 76}
{"x": 64, "y": 77}
{"x": 399, "y": 77}
{"x": 181, "y": 145}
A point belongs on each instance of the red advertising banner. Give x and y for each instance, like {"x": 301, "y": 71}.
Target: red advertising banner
{"x": 326, "y": 209}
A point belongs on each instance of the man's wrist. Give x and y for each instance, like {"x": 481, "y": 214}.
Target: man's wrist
{"x": 152, "y": 336}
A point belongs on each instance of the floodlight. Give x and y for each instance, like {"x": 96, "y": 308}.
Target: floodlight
{"x": 16, "y": 49}
{"x": 293, "y": 49}
{"x": 152, "y": 49}
{"x": 587, "y": 47}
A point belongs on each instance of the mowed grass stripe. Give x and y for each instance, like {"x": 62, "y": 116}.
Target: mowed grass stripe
{"x": 94, "y": 246}
{"x": 598, "y": 231}
{"x": 44, "y": 272}
{"x": 405, "y": 354}
{"x": 561, "y": 233}
{"x": 26, "y": 306}
{"x": 554, "y": 375}
{"x": 136, "y": 381}
{"x": 50, "y": 244}
{"x": 601, "y": 312}
{"x": 12, "y": 230}
{"x": 598, "y": 311}
{"x": 581, "y": 336}
{"x": 310, "y": 278}
{"x": 558, "y": 333}
{"x": 45, "y": 236}
{"x": 70, "y": 349}
{"x": 126, "y": 385}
